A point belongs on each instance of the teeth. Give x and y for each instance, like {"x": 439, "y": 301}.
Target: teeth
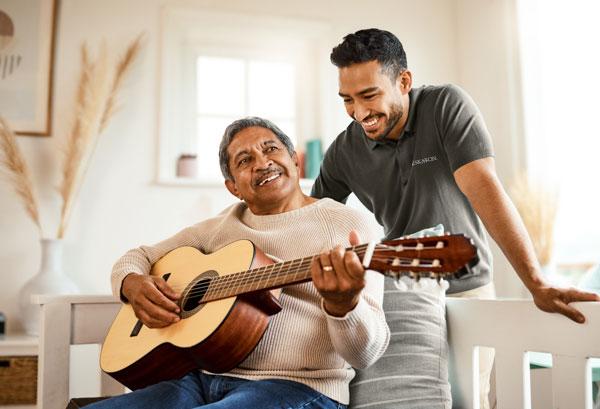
{"x": 371, "y": 122}
{"x": 270, "y": 178}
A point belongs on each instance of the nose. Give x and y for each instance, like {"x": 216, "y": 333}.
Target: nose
{"x": 360, "y": 111}
{"x": 263, "y": 162}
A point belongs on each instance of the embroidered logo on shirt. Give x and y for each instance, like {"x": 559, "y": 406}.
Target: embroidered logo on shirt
{"x": 424, "y": 160}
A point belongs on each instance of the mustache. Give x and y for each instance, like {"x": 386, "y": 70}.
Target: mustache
{"x": 263, "y": 174}
{"x": 366, "y": 119}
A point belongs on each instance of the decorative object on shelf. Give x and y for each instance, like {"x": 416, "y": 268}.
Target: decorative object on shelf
{"x": 2, "y": 324}
{"x": 96, "y": 103}
{"x": 187, "y": 165}
{"x": 314, "y": 156}
{"x": 537, "y": 206}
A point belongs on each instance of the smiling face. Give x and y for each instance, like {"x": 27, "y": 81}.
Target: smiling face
{"x": 371, "y": 98}
{"x": 264, "y": 174}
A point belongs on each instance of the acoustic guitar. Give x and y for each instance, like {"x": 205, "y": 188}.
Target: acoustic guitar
{"x": 226, "y": 303}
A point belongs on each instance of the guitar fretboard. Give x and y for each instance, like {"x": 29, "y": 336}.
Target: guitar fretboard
{"x": 265, "y": 277}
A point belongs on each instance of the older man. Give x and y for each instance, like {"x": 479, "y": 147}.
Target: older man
{"x": 325, "y": 328}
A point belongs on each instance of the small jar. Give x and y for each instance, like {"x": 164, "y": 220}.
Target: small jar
{"x": 187, "y": 165}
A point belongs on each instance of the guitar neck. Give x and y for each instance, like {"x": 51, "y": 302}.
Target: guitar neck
{"x": 435, "y": 257}
{"x": 266, "y": 277}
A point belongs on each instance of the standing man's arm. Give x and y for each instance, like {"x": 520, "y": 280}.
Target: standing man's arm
{"x": 329, "y": 183}
{"x": 479, "y": 182}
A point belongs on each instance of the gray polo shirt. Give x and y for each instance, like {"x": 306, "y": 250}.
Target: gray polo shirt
{"x": 409, "y": 184}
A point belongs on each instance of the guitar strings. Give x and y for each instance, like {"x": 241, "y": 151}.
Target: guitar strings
{"x": 278, "y": 270}
{"x": 247, "y": 278}
{"x": 251, "y": 276}
{"x": 254, "y": 276}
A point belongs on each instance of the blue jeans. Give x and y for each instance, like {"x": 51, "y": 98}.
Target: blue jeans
{"x": 199, "y": 390}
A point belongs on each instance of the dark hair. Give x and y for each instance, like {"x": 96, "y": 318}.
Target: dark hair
{"x": 368, "y": 45}
{"x": 239, "y": 125}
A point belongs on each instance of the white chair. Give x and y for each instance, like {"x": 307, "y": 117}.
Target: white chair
{"x": 512, "y": 327}
{"x": 65, "y": 321}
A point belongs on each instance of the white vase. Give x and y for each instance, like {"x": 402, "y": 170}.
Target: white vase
{"x": 49, "y": 280}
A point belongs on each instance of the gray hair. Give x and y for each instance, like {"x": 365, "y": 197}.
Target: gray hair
{"x": 239, "y": 125}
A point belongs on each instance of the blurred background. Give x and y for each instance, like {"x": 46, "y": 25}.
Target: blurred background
{"x": 529, "y": 65}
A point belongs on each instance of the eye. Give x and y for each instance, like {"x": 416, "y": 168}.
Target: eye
{"x": 271, "y": 149}
{"x": 243, "y": 161}
{"x": 369, "y": 97}
{"x": 347, "y": 101}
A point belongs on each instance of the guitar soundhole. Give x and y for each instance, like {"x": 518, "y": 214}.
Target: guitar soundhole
{"x": 194, "y": 293}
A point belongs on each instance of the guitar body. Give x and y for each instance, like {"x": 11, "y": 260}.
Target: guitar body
{"x": 215, "y": 336}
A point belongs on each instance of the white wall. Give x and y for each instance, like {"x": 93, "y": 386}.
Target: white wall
{"x": 120, "y": 207}
{"x": 487, "y": 53}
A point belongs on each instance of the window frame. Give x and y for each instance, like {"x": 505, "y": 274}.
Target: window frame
{"x": 188, "y": 32}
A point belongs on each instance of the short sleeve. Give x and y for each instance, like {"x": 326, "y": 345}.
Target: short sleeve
{"x": 463, "y": 132}
{"x": 330, "y": 183}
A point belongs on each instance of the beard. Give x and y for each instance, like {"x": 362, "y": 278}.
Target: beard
{"x": 396, "y": 112}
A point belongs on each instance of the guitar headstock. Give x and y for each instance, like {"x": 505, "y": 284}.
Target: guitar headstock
{"x": 435, "y": 257}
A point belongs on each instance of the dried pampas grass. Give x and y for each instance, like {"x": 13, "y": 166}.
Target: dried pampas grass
{"x": 537, "y": 206}
{"x": 123, "y": 66}
{"x": 15, "y": 168}
{"x": 95, "y": 105}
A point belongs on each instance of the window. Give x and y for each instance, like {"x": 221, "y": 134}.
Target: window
{"x": 219, "y": 67}
{"x": 229, "y": 88}
{"x": 561, "y": 87}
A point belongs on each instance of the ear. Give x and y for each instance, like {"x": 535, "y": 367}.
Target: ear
{"x": 404, "y": 82}
{"x": 295, "y": 158}
{"x": 230, "y": 185}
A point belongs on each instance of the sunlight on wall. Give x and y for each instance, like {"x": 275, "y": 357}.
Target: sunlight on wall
{"x": 561, "y": 88}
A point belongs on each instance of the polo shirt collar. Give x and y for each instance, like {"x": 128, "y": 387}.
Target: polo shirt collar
{"x": 409, "y": 128}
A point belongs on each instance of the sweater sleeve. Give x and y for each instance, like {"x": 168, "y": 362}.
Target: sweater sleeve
{"x": 361, "y": 336}
{"x": 140, "y": 260}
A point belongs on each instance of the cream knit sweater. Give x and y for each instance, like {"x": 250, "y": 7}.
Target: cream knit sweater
{"x": 302, "y": 343}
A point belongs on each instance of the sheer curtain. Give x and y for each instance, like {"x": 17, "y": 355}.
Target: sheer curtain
{"x": 560, "y": 53}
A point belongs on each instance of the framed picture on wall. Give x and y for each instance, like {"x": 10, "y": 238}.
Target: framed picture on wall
{"x": 27, "y": 36}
